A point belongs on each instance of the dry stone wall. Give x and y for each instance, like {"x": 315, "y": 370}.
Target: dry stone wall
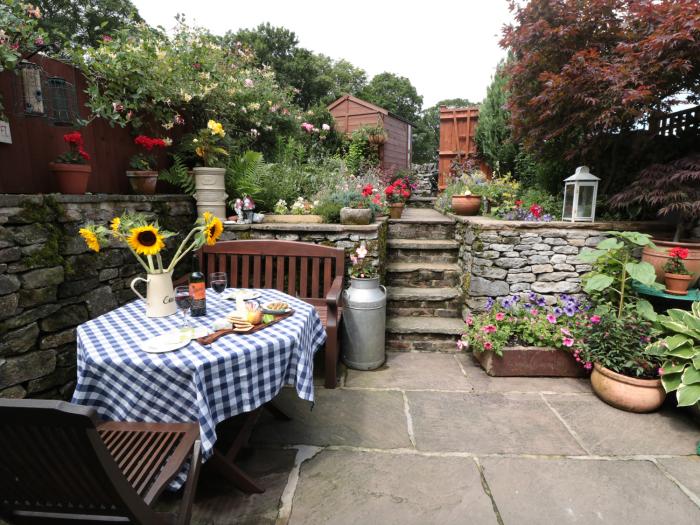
{"x": 501, "y": 258}
{"x": 50, "y": 282}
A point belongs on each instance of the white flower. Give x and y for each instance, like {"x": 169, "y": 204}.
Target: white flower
{"x": 325, "y": 127}
{"x": 362, "y": 251}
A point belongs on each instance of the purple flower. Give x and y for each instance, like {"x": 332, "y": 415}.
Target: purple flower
{"x": 570, "y": 310}
{"x": 489, "y": 303}
{"x": 541, "y": 301}
{"x": 557, "y": 311}
{"x": 532, "y": 296}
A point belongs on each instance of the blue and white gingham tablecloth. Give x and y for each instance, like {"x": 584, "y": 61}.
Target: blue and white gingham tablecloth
{"x": 208, "y": 384}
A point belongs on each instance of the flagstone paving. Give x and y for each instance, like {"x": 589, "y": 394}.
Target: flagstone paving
{"x": 429, "y": 438}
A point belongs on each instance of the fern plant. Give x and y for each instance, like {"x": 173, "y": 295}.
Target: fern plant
{"x": 243, "y": 176}
{"x": 178, "y": 175}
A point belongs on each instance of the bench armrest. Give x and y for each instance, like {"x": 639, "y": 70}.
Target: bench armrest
{"x": 333, "y": 296}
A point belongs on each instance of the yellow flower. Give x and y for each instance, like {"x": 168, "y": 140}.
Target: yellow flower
{"x": 114, "y": 224}
{"x": 90, "y": 239}
{"x": 213, "y": 230}
{"x": 146, "y": 240}
{"x": 199, "y": 151}
{"x": 216, "y": 128}
{"x": 207, "y": 217}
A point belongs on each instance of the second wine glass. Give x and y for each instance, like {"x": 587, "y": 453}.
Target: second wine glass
{"x": 218, "y": 281}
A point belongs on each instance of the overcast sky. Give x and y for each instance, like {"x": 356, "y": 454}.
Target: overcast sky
{"x": 447, "y": 48}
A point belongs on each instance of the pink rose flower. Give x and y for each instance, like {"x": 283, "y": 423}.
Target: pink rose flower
{"x": 595, "y": 319}
{"x": 500, "y": 316}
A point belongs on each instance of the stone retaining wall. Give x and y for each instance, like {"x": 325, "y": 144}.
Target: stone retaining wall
{"x": 500, "y": 258}
{"x": 50, "y": 282}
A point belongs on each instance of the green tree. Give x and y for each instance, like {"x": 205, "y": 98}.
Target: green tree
{"x": 85, "y": 22}
{"x": 493, "y": 134}
{"x": 426, "y": 134}
{"x": 395, "y": 94}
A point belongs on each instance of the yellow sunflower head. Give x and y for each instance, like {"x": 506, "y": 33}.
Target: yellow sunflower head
{"x": 213, "y": 230}
{"x": 90, "y": 238}
{"x": 146, "y": 240}
{"x": 114, "y": 224}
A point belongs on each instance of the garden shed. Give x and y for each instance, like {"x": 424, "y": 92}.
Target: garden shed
{"x": 351, "y": 113}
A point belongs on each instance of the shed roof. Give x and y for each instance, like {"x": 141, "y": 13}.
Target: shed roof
{"x": 368, "y": 105}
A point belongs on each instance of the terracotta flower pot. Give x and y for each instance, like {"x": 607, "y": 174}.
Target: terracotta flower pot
{"x": 143, "y": 182}
{"x": 659, "y": 257}
{"x": 396, "y": 210}
{"x": 71, "y": 178}
{"x": 466, "y": 204}
{"x": 676, "y": 284}
{"x": 627, "y": 393}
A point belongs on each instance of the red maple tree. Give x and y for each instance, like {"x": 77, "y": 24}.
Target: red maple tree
{"x": 586, "y": 69}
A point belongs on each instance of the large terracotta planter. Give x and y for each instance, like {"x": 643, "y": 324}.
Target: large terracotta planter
{"x": 627, "y": 393}
{"x": 659, "y": 257}
{"x": 355, "y": 216}
{"x": 396, "y": 210}
{"x": 529, "y": 361}
{"x": 676, "y": 284}
{"x": 466, "y": 204}
{"x": 71, "y": 178}
{"x": 143, "y": 182}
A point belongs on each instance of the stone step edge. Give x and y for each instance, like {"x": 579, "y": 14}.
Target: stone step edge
{"x": 408, "y": 267}
{"x": 405, "y": 293}
{"x": 422, "y": 244}
{"x": 446, "y": 326}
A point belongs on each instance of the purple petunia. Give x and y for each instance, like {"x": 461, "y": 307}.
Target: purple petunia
{"x": 489, "y": 303}
{"x": 570, "y": 310}
{"x": 557, "y": 311}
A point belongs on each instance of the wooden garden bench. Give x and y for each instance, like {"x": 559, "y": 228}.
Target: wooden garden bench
{"x": 60, "y": 464}
{"x": 308, "y": 271}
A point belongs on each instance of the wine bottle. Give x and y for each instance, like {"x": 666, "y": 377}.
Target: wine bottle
{"x": 198, "y": 287}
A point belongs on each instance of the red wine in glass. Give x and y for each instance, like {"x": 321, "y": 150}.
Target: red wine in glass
{"x": 218, "y": 281}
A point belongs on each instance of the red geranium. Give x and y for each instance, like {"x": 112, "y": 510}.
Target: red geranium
{"x": 74, "y": 138}
{"x": 389, "y": 190}
{"x": 148, "y": 143}
{"x": 367, "y": 190}
{"x": 518, "y": 203}
{"x": 677, "y": 251}
{"x": 76, "y": 154}
{"x": 536, "y": 210}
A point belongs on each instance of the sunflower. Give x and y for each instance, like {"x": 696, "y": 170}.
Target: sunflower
{"x": 90, "y": 239}
{"x": 146, "y": 240}
{"x": 213, "y": 230}
{"x": 114, "y": 224}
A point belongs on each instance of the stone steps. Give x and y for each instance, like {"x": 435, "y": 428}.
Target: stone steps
{"x": 422, "y": 250}
{"x": 423, "y": 302}
{"x": 421, "y": 201}
{"x": 423, "y": 275}
{"x": 421, "y": 228}
{"x": 434, "y": 334}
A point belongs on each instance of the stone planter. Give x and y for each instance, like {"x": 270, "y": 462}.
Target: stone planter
{"x": 659, "y": 257}
{"x": 71, "y": 178}
{"x": 294, "y": 219}
{"x": 466, "y": 204}
{"x": 356, "y": 216}
{"x": 143, "y": 182}
{"x": 676, "y": 284}
{"x": 529, "y": 361}
{"x": 396, "y": 210}
{"x": 211, "y": 191}
{"x": 627, "y": 393}
{"x": 363, "y": 330}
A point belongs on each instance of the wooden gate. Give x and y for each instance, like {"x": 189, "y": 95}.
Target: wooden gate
{"x": 457, "y": 139}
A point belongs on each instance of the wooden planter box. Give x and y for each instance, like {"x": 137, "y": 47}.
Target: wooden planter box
{"x": 529, "y": 361}
{"x": 294, "y": 219}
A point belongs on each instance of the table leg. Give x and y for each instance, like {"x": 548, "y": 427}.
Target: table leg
{"x": 276, "y": 412}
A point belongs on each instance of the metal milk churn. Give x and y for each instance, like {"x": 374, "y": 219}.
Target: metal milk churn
{"x": 364, "y": 324}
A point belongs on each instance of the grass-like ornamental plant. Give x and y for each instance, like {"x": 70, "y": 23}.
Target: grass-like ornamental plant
{"x": 679, "y": 351}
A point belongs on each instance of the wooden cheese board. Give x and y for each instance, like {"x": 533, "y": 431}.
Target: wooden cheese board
{"x": 209, "y": 339}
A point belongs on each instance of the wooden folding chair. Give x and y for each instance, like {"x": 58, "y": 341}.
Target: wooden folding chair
{"x": 60, "y": 464}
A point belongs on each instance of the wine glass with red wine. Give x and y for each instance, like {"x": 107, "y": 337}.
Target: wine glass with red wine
{"x": 183, "y": 300}
{"x": 218, "y": 281}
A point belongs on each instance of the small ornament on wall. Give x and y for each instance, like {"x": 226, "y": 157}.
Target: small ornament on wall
{"x": 5, "y": 135}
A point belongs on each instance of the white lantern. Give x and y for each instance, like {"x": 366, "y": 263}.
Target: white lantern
{"x": 580, "y": 193}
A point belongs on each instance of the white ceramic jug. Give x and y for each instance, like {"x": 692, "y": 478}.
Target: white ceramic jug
{"x": 160, "y": 296}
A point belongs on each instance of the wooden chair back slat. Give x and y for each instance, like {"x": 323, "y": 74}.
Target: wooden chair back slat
{"x": 141, "y": 476}
{"x": 221, "y": 266}
{"x": 211, "y": 266}
{"x": 300, "y": 269}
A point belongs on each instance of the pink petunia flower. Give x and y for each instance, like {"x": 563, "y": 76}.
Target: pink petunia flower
{"x": 489, "y": 329}
{"x": 565, "y": 331}
{"x": 460, "y": 344}
{"x": 551, "y": 318}
{"x": 469, "y": 320}
{"x": 533, "y": 311}
{"x": 595, "y": 319}
{"x": 588, "y": 365}
{"x": 500, "y": 316}
{"x": 568, "y": 341}
{"x": 488, "y": 345}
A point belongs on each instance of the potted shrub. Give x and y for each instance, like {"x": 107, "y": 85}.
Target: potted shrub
{"x": 676, "y": 275}
{"x": 624, "y": 376}
{"x": 679, "y": 351}
{"x": 360, "y": 211}
{"x": 210, "y": 178}
{"x": 525, "y": 338}
{"x": 672, "y": 189}
{"x": 397, "y": 193}
{"x": 71, "y": 169}
{"x": 376, "y": 135}
{"x": 143, "y": 175}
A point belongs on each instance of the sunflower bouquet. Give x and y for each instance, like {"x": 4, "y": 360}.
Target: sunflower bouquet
{"x": 146, "y": 239}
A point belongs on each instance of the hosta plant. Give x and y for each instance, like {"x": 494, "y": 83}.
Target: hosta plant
{"x": 680, "y": 351}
